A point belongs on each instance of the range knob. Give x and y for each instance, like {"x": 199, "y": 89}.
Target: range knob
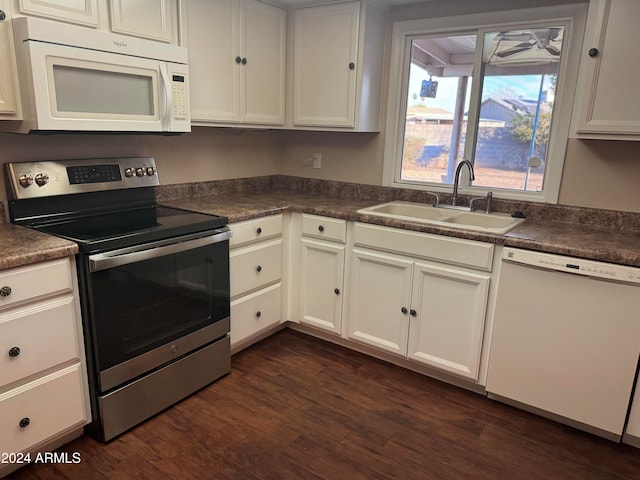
{"x": 150, "y": 171}
{"x": 25, "y": 180}
{"x": 42, "y": 179}
{"x": 129, "y": 172}
{"x": 139, "y": 172}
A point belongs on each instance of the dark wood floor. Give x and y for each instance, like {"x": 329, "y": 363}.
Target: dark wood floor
{"x": 299, "y": 408}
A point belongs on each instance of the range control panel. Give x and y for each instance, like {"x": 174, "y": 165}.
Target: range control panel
{"x": 62, "y": 177}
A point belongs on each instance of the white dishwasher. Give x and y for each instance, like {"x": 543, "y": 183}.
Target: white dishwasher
{"x": 566, "y": 339}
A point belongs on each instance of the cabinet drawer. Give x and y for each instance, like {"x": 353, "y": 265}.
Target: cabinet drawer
{"x": 51, "y": 404}
{"x": 324, "y": 227}
{"x": 255, "y": 266}
{"x": 255, "y": 230}
{"x": 34, "y": 281}
{"x": 256, "y": 312}
{"x": 45, "y": 335}
{"x": 456, "y": 251}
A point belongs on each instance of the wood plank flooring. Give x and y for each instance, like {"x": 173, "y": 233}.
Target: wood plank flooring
{"x": 295, "y": 407}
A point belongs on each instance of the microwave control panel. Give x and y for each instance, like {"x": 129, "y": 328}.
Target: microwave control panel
{"x": 179, "y": 93}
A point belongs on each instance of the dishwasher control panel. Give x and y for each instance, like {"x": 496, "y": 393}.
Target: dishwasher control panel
{"x": 579, "y": 266}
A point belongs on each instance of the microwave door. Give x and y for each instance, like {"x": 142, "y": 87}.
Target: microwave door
{"x": 74, "y": 89}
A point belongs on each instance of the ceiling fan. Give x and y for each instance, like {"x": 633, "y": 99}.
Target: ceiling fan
{"x": 539, "y": 38}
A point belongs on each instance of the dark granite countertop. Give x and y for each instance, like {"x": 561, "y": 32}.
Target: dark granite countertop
{"x": 560, "y": 237}
{"x": 22, "y": 246}
{"x": 602, "y": 235}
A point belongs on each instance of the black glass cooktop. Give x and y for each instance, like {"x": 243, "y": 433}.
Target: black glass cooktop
{"x": 123, "y": 228}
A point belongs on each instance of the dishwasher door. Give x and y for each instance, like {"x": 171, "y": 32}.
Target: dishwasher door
{"x": 566, "y": 345}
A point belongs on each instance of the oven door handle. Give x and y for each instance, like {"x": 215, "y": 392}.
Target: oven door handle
{"x": 117, "y": 258}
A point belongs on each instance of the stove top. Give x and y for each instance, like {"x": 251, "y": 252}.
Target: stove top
{"x": 101, "y": 204}
{"x": 113, "y": 230}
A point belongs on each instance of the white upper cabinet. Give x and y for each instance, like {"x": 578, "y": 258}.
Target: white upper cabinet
{"x": 337, "y": 59}
{"x": 607, "y": 104}
{"x": 83, "y": 12}
{"x": 236, "y": 61}
{"x": 9, "y": 104}
{"x": 152, "y": 19}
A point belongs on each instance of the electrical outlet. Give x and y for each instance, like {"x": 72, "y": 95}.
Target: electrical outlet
{"x": 317, "y": 160}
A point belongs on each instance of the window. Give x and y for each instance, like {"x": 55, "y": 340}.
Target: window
{"x": 496, "y": 89}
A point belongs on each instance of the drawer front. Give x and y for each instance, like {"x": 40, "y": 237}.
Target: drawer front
{"x": 255, "y": 230}
{"x": 456, "y": 251}
{"x": 256, "y": 312}
{"x": 25, "y": 283}
{"x": 324, "y": 227}
{"x": 37, "y": 337}
{"x": 255, "y": 266}
{"x": 51, "y": 404}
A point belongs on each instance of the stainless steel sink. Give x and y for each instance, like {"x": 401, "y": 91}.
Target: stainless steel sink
{"x": 499, "y": 223}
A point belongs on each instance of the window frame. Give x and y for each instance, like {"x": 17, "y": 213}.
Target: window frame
{"x": 573, "y": 17}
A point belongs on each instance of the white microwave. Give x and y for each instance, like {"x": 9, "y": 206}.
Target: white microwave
{"x": 75, "y": 79}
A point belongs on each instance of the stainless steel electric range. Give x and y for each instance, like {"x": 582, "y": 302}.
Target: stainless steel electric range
{"x": 154, "y": 282}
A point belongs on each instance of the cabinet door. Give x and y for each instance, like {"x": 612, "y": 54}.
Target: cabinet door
{"x": 610, "y": 102}
{"x": 8, "y": 102}
{"x": 144, "y": 18}
{"x": 212, "y": 36}
{"x": 83, "y": 12}
{"x": 379, "y": 299}
{"x": 325, "y": 57}
{"x": 262, "y": 33}
{"x": 448, "y": 309}
{"x": 322, "y": 268}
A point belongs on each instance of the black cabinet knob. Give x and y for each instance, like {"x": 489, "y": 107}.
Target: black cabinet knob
{"x": 259, "y": 230}
{"x": 593, "y": 52}
{"x": 320, "y": 228}
{"x": 244, "y": 61}
{"x": 2, "y": 15}
{"x": 5, "y": 291}
{"x": 404, "y": 310}
{"x": 238, "y": 60}
{"x": 259, "y": 268}
{"x": 14, "y": 352}
{"x": 413, "y": 313}
{"x": 336, "y": 291}
{"x": 258, "y": 314}
{"x": 352, "y": 66}
{"x": 25, "y": 422}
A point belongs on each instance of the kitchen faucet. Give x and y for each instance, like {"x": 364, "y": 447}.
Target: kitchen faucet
{"x": 456, "y": 180}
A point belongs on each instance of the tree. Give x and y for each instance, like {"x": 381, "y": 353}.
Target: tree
{"x": 521, "y": 125}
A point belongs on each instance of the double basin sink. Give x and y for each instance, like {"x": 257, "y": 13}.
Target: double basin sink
{"x": 498, "y": 223}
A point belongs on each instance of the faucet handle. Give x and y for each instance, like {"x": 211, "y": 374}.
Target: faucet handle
{"x": 473, "y": 200}
{"x": 436, "y": 200}
{"x": 487, "y": 204}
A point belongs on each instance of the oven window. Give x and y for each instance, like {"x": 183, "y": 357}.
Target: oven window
{"x": 140, "y": 306}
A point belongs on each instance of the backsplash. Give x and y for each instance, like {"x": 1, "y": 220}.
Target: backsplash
{"x": 610, "y": 219}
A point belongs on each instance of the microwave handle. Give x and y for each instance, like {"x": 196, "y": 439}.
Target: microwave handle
{"x": 168, "y": 97}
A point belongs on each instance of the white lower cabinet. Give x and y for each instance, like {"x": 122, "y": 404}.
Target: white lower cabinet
{"x": 448, "y": 307}
{"x": 256, "y": 272}
{"x": 380, "y": 297}
{"x": 322, "y": 269}
{"x": 429, "y": 312}
{"x": 320, "y": 272}
{"x": 43, "y": 381}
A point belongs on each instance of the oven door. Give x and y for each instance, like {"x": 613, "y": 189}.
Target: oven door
{"x": 153, "y": 303}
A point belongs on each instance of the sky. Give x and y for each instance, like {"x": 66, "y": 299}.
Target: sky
{"x": 526, "y": 86}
